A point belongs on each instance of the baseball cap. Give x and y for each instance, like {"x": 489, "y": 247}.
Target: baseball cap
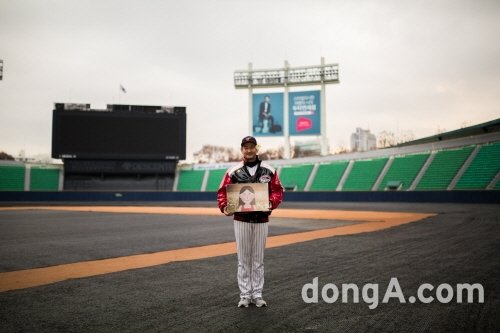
{"x": 248, "y": 139}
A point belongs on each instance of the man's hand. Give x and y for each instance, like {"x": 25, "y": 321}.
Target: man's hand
{"x": 227, "y": 213}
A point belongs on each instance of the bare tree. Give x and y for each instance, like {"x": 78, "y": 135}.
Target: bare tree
{"x": 215, "y": 154}
{"x": 386, "y": 139}
{"x": 218, "y": 154}
{"x": 405, "y": 136}
{"x": 342, "y": 149}
{"x": 272, "y": 154}
{"x": 5, "y": 156}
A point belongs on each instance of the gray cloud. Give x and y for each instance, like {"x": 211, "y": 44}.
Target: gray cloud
{"x": 404, "y": 65}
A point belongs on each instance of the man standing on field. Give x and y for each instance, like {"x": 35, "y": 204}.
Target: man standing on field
{"x": 251, "y": 228}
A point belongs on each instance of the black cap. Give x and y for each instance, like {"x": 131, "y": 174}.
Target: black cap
{"x": 248, "y": 139}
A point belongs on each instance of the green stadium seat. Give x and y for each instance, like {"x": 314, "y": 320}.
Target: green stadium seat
{"x": 404, "y": 169}
{"x": 364, "y": 174}
{"x": 328, "y": 176}
{"x": 12, "y": 177}
{"x": 44, "y": 178}
{"x": 295, "y": 176}
{"x": 444, "y": 168}
{"x": 483, "y": 168}
{"x": 214, "y": 179}
{"x": 190, "y": 180}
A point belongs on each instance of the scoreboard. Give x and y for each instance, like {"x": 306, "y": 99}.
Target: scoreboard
{"x": 121, "y": 132}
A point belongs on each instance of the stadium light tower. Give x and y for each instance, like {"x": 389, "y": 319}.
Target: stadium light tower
{"x": 286, "y": 77}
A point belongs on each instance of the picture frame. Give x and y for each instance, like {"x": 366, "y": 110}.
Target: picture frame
{"x": 247, "y": 197}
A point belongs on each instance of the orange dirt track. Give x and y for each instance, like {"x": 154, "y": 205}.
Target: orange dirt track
{"x": 369, "y": 221}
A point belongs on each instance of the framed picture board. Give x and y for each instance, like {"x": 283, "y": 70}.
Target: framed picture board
{"x": 250, "y": 197}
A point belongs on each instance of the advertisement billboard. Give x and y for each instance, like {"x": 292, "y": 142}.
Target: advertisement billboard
{"x": 304, "y": 113}
{"x": 267, "y": 114}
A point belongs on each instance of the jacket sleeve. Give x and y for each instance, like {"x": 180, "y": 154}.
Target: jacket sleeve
{"x": 275, "y": 191}
{"x": 221, "y": 192}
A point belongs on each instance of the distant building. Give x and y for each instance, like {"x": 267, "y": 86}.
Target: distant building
{"x": 363, "y": 140}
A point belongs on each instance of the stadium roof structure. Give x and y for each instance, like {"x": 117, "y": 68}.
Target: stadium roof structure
{"x": 483, "y": 128}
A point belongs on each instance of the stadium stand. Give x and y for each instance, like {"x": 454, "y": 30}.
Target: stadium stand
{"x": 483, "y": 168}
{"x": 463, "y": 163}
{"x": 364, "y": 174}
{"x": 190, "y": 180}
{"x": 295, "y": 176}
{"x": 328, "y": 176}
{"x": 11, "y": 177}
{"x": 44, "y": 178}
{"x": 443, "y": 168}
{"x": 214, "y": 179}
{"x": 404, "y": 169}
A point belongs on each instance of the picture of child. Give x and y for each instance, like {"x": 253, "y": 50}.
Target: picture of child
{"x": 247, "y": 199}
{"x": 252, "y": 197}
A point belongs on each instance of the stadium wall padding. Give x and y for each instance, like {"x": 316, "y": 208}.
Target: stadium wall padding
{"x": 483, "y": 196}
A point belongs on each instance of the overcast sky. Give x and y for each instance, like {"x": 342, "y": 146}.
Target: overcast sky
{"x": 414, "y": 66}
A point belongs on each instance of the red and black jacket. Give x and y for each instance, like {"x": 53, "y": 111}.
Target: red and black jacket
{"x": 264, "y": 174}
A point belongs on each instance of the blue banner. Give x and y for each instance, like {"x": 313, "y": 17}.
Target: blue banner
{"x": 304, "y": 113}
{"x": 267, "y": 114}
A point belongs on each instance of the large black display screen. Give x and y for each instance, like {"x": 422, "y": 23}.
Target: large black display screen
{"x": 118, "y": 135}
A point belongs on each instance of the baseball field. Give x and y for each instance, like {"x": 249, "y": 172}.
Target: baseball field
{"x": 147, "y": 267}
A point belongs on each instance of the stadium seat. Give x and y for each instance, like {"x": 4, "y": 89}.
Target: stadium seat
{"x": 44, "y": 178}
{"x": 328, "y": 176}
{"x": 295, "y": 177}
{"x": 190, "y": 180}
{"x": 214, "y": 179}
{"x": 443, "y": 168}
{"x": 404, "y": 169}
{"x": 364, "y": 174}
{"x": 482, "y": 170}
{"x": 12, "y": 178}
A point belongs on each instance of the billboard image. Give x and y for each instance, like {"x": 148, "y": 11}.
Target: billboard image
{"x": 267, "y": 114}
{"x": 304, "y": 113}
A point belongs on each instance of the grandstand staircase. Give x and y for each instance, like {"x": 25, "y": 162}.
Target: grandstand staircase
{"x": 204, "y": 182}
{"x": 176, "y": 179}
{"x": 27, "y": 177}
{"x": 494, "y": 182}
{"x": 422, "y": 171}
{"x": 464, "y": 167}
{"x": 345, "y": 175}
{"x": 383, "y": 173}
{"x": 310, "y": 181}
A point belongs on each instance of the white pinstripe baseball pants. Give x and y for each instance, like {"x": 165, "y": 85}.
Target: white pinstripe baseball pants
{"x": 250, "y": 244}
